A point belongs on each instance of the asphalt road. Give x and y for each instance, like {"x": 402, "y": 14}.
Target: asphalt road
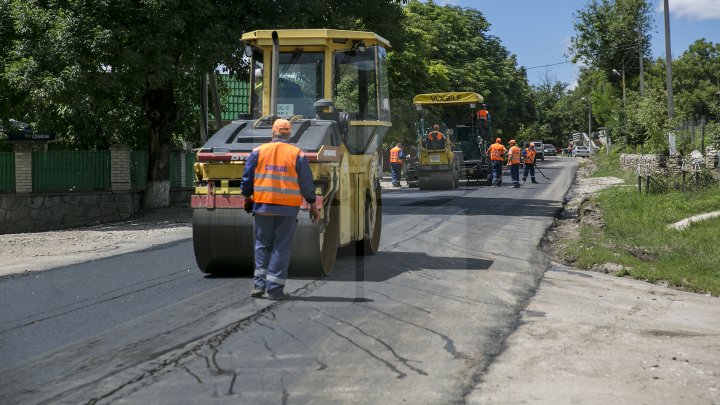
{"x": 419, "y": 322}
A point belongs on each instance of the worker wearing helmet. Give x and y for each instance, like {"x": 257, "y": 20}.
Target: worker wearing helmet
{"x": 436, "y": 139}
{"x": 497, "y": 152}
{"x": 276, "y": 179}
{"x": 396, "y": 160}
{"x": 529, "y": 155}
{"x": 514, "y": 160}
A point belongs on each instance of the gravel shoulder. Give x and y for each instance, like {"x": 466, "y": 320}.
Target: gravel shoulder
{"x": 30, "y": 252}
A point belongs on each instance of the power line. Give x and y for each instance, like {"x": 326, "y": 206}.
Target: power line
{"x": 552, "y": 64}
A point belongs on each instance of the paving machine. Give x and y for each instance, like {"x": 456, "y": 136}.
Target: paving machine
{"x": 332, "y": 86}
{"x": 463, "y": 155}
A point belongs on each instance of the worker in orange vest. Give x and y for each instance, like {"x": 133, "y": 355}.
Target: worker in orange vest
{"x": 397, "y": 156}
{"x": 497, "y": 152}
{"x": 514, "y": 160}
{"x": 436, "y": 139}
{"x": 483, "y": 116}
{"x": 529, "y": 160}
{"x": 276, "y": 179}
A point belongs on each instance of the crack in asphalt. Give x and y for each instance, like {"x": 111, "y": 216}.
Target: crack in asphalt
{"x": 400, "y": 374}
{"x": 401, "y": 302}
{"x": 449, "y": 343}
{"x": 404, "y": 360}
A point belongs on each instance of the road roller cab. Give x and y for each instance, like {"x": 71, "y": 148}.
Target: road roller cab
{"x": 443, "y": 165}
{"x": 332, "y": 86}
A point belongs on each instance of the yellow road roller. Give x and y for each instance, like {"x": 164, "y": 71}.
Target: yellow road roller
{"x": 332, "y": 86}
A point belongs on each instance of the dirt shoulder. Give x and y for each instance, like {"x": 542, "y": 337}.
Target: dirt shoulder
{"x": 28, "y": 252}
{"x": 593, "y": 338}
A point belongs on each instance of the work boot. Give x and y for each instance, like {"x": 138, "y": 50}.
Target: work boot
{"x": 522, "y": 182}
{"x": 535, "y": 182}
{"x": 257, "y": 293}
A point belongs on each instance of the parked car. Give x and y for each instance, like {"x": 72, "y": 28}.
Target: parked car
{"x": 581, "y": 151}
{"x": 539, "y": 151}
{"x": 549, "y": 150}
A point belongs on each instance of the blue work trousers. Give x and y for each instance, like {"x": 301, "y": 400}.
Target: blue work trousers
{"x": 395, "y": 171}
{"x": 515, "y": 174}
{"x": 529, "y": 168}
{"x": 497, "y": 169}
{"x": 273, "y": 242}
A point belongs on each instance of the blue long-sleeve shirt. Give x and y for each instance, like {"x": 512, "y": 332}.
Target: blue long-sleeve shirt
{"x": 305, "y": 179}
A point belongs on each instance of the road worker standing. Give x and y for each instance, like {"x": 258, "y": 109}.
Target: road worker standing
{"x": 497, "y": 152}
{"x": 276, "y": 179}
{"x": 529, "y": 154}
{"x": 514, "y": 160}
{"x": 397, "y": 156}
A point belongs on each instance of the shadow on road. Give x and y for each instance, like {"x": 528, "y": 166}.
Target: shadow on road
{"x": 472, "y": 206}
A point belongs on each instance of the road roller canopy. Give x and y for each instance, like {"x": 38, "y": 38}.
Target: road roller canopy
{"x": 348, "y": 68}
{"x": 452, "y": 97}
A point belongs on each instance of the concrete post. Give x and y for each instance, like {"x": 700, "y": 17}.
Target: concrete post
{"x": 23, "y": 168}
{"x": 120, "y": 167}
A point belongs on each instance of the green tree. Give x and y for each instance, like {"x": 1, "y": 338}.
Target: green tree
{"x": 448, "y": 48}
{"x": 127, "y": 71}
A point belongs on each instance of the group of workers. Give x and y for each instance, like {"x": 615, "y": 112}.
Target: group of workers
{"x": 516, "y": 156}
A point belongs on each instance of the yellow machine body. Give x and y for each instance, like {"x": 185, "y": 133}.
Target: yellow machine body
{"x": 339, "y": 115}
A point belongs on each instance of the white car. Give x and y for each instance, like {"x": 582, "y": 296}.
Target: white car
{"x": 581, "y": 151}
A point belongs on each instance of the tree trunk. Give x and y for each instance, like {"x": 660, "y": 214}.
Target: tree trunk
{"x": 161, "y": 112}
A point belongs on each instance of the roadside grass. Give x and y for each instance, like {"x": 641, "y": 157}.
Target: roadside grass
{"x": 609, "y": 166}
{"x": 636, "y": 236}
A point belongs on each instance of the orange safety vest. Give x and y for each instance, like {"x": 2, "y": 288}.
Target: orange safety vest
{"x": 514, "y": 155}
{"x": 394, "y": 155}
{"x": 276, "y": 178}
{"x": 438, "y": 135}
{"x": 497, "y": 150}
{"x": 482, "y": 115}
{"x": 530, "y": 156}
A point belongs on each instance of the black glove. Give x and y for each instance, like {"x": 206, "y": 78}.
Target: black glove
{"x": 249, "y": 205}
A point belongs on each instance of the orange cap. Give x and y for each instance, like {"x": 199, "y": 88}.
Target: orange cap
{"x": 498, "y": 140}
{"x": 281, "y": 125}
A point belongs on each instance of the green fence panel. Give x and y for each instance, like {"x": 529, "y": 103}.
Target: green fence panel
{"x": 138, "y": 169}
{"x": 189, "y": 170}
{"x": 7, "y": 172}
{"x": 237, "y": 99}
{"x": 174, "y": 173}
{"x": 76, "y": 170}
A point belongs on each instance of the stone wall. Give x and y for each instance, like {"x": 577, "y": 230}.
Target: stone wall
{"x": 658, "y": 165}
{"x": 643, "y": 165}
{"x": 44, "y": 212}
{"x": 48, "y": 212}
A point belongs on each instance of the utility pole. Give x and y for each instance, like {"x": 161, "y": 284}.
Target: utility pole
{"x": 641, "y": 54}
{"x": 668, "y": 62}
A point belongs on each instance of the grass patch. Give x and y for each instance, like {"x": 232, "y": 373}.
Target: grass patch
{"x": 636, "y": 236}
{"x": 609, "y": 166}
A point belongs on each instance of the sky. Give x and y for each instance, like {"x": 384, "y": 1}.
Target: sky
{"x": 539, "y": 32}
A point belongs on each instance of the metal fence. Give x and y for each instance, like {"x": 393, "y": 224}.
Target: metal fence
{"x": 57, "y": 171}
{"x": 684, "y": 181}
{"x": 237, "y": 98}
{"x": 7, "y": 172}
